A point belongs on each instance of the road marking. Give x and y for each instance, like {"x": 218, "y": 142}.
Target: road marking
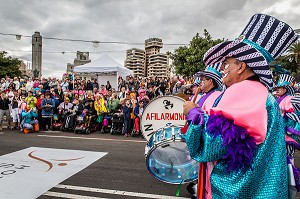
{"x": 86, "y": 138}
{"x": 41, "y": 168}
{"x": 117, "y": 192}
{"x": 70, "y": 196}
{"x": 1, "y": 133}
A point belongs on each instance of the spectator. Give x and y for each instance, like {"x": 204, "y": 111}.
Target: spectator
{"x": 4, "y": 109}
{"x": 112, "y": 103}
{"x": 64, "y": 85}
{"x": 138, "y": 111}
{"x": 177, "y": 88}
{"x": 47, "y": 111}
{"x": 126, "y": 113}
{"x": 95, "y": 84}
{"x": 89, "y": 86}
{"x": 29, "y": 85}
{"x": 108, "y": 86}
{"x": 29, "y": 119}
{"x": 31, "y": 100}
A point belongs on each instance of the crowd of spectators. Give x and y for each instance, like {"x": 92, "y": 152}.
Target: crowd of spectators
{"x": 46, "y": 96}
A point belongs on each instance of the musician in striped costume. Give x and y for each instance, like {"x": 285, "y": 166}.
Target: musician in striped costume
{"x": 284, "y": 92}
{"x": 244, "y": 131}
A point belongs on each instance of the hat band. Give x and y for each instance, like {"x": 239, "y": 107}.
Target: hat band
{"x": 284, "y": 83}
{"x": 210, "y": 69}
{"x": 263, "y": 51}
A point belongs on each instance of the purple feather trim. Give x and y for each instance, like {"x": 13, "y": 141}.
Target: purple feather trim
{"x": 295, "y": 144}
{"x": 293, "y": 131}
{"x": 240, "y": 146}
{"x": 296, "y": 173}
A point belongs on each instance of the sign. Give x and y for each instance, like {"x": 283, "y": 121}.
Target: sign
{"x": 162, "y": 112}
{"x": 29, "y": 173}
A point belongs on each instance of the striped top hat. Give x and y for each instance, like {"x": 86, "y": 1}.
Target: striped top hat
{"x": 197, "y": 82}
{"x": 263, "y": 40}
{"x": 285, "y": 80}
{"x": 212, "y": 71}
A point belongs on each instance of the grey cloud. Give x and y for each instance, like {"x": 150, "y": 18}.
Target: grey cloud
{"x": 174, "y": 21}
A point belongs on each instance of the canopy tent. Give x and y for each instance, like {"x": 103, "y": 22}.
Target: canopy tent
{"x": 106, "y": 69}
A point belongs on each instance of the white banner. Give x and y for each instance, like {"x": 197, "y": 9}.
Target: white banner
{"x": 29, "y": 173}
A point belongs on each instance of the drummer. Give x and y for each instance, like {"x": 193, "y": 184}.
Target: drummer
{"x": 211, "y": 85}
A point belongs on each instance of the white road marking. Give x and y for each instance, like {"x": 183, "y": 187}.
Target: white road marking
{"x": 117, "y": 192}
{"x": 70, "y": 196}
{"x": 1, "y": 133}
{"x": 87, "y": 138}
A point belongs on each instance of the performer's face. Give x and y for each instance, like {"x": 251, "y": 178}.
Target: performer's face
{"x": 229, "y": 70}
{"x": 280, "y": 91}
{"x": 206, "y": 84}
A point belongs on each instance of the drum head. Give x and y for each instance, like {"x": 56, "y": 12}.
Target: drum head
{"x": 162, "y": 112}
{"x": 170, "y": 162}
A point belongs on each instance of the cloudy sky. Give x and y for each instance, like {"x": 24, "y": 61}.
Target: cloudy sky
{"x": 133, "y": 21}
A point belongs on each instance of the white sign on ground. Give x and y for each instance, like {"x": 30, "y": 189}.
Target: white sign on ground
{"x": 29, "y": 173}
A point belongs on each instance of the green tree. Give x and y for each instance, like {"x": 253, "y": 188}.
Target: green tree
{"x": 9, "y": 66}
{"x": 294, "y": 52}
{"x": 188, "y": 59}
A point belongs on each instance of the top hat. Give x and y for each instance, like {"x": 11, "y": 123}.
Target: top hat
{"x": 263, "y": 40}
{"x": 212, "y": 71}
{"x": 285, "y": 80}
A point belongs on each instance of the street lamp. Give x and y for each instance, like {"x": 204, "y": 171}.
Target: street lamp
{"x": 18, "y": 37}
{"x": 96, "y": 43}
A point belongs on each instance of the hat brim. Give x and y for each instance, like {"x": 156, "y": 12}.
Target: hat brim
{"x": 243, "y": 52}
{"x": 290, "y": 89}
{"x": 210, "y": 75}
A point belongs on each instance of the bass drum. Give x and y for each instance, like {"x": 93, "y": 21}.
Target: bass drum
{"x": 168, "y": 158}
{"x": 161, "y": 112}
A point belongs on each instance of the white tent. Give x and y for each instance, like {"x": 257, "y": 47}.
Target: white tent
{"x": 106, "y": 69}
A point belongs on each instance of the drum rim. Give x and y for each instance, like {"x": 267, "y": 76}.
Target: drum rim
{"x": 162, "y": 180}
{"x": 165, "y": 96}
{"x": 162, "y": 128}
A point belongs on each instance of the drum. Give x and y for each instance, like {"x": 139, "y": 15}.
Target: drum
{"x": 168, "y": 158}
{"x": 161, "y": 112}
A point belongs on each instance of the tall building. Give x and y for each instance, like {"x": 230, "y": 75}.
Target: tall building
{"x": 81, "y": 59}
{"x": 25, "y": 69}
{"x": 135, "y": 61}
{"x": 148, "y": 62}
{"x": 37, "y": 54}
{"x": 158, "y": 66}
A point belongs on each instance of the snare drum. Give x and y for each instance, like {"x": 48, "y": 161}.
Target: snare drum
{"x": 168, "y": 158}
{"x": 161, "y": 112}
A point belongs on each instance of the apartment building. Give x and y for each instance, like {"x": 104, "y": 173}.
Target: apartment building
{"x": 148, "y": 62}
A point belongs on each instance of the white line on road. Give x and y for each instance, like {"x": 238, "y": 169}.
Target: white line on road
{"x": 117, "y": 192}
{"x": 86, "y": 138}
{"x": 70, "y": 196}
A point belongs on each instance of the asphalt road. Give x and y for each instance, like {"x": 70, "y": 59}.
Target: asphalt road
{"x": 122, "y": 173}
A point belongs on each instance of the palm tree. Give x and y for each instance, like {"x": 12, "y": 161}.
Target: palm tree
{"x": 294, "y": 52}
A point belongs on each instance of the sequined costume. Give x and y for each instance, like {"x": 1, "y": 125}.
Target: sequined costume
{"x": 246, "y": 138}
{"x": 292, "y": 126}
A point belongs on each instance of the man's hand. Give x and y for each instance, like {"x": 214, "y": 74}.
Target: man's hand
{"x": 187, "y": 106}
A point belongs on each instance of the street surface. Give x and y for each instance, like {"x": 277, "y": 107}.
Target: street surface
{"x": 122, "y": 173}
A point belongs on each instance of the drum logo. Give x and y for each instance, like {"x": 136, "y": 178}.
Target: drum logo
{"x": 168, "y": 105}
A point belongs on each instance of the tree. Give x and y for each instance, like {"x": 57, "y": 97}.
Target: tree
{"x": 294, "y": 52}
{"x": 9, "y": 66}
{"x": 188, "y": 60}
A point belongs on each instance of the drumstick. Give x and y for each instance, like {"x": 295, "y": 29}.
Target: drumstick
{"x": 184, "y": 129}
{"x": 196, "y": 94}
{"x": 201, "y": 180}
